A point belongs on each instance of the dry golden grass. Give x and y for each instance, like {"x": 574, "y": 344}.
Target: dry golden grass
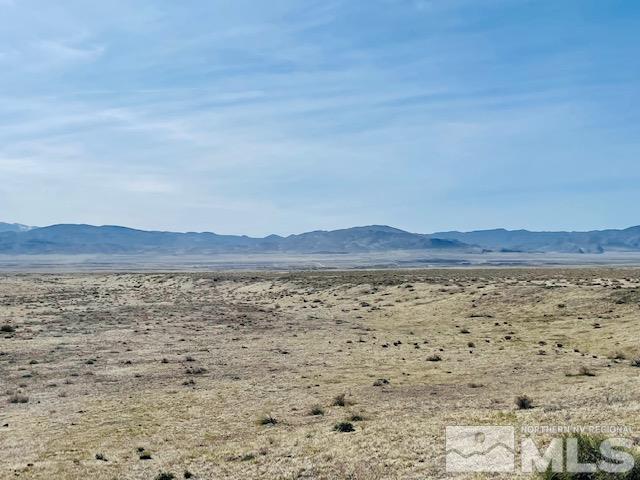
{"x": 218, "y": 374}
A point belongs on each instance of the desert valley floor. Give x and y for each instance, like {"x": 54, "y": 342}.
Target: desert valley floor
{"x": 245, "y": 375}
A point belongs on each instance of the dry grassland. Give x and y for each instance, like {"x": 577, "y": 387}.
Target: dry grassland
{"x": 236, "y": 375}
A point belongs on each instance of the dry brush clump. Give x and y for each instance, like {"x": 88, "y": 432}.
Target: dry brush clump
{"x": 267, "y": 420}
{"x": 18, "y": 398}
{"x": 617, "y": 355}
{"x": 586, "y": 371}
{"x": 144, "y": 454}
{"x": 523, "y": 402}
{"x": 165, "y": 476}
{"x": 316, "y": 410}
{"x": 583, "y": 371}
{"x": 340, "y": 400}
{"x": 344, "y": 427}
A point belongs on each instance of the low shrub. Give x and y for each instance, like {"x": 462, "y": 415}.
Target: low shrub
{"x": 344, "y": 427}
{"x": 267, "y": 420}
{"x": 18, "y": 399}
{"x": 316, "y": 410}
{"x": 144, "y": 455}
{"x": 523, "y": 402}
{"x": 165, "y": 476}
{"x": 339, "y": 400}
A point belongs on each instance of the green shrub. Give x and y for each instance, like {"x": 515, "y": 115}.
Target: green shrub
{"x": 589, "y": 452}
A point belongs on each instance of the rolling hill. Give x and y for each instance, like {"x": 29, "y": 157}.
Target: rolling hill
{"x": 597, "y": 241}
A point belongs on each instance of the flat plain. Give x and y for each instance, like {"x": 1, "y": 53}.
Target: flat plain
{"x": 246, "y": 375}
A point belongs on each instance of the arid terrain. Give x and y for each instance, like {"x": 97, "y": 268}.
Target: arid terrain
{"x": 246, "y": 375}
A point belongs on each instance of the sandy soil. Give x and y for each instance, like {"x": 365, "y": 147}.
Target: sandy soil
{"x": 187, "y": 366}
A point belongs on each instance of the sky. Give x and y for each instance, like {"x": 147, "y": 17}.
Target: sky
{"x": 284, "y": 116}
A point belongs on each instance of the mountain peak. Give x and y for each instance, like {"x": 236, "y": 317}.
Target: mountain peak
{"x": 381, "y": 228}
{"x": 14, "y": 227}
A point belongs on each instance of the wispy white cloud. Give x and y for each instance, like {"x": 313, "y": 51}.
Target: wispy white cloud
{"x": 149, "y": 185}
{"x": 277, "y": 116}
{"x": 57, "y": 52}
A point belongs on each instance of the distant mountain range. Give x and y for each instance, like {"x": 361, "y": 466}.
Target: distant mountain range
{"x": 74, "y": 239}
{"x": 79, "y": 239}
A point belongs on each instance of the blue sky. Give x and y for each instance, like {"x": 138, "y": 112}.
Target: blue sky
{"x": 286, "y": 116}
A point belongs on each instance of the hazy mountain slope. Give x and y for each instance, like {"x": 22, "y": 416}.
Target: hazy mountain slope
{"x": 114, "y": 239}
{"x": 75, "y": 239}
{"x": 524, "y": 240}
{"x": 13, "y": 227}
